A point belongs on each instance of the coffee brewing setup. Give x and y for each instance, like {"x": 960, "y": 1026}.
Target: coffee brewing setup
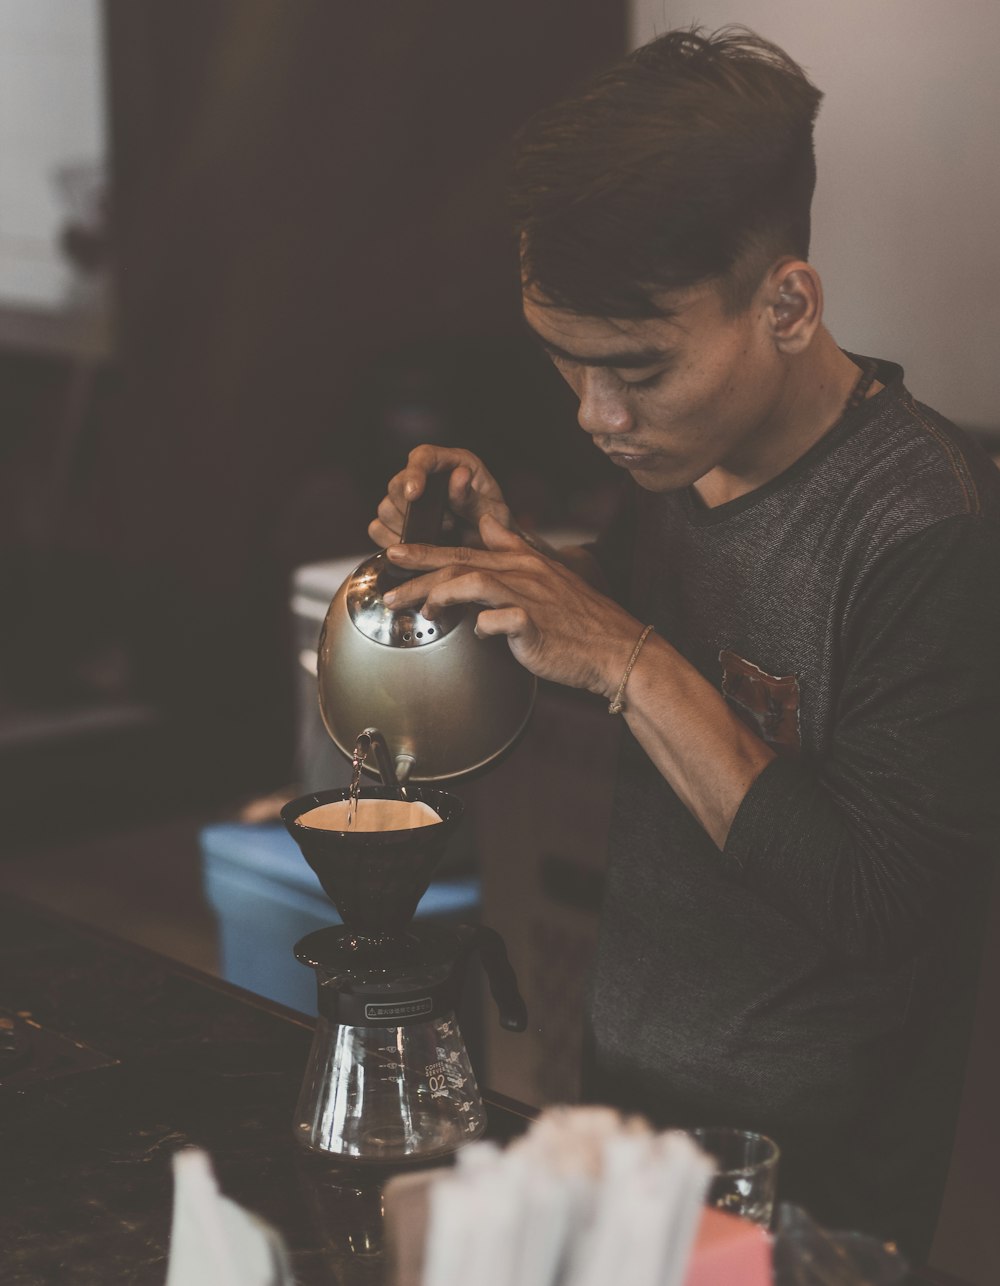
{"x": 414, "y": 702}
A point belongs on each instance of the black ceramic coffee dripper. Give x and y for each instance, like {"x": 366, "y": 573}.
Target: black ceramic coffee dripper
{"x": 375, "y": 878}
{"x": 389, "y": 1079}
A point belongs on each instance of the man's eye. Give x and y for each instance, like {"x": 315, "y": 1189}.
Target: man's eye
{"x": 646, "y": 382}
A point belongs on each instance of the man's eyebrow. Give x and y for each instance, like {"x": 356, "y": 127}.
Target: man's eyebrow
{"x": 626, "y": 359}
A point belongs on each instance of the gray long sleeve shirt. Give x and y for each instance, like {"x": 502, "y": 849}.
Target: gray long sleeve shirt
{"x": 815, "y": 979}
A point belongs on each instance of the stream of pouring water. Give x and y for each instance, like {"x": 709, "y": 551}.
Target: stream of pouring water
{"x": 361, "y": 749}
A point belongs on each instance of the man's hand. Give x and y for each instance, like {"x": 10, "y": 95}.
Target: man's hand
{"x": 561, "y": 628}
{"x": 473, "y": 492}
{"x": 557, "y": 625}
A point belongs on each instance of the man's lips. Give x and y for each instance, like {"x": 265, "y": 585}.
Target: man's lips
{"x": 631, "y": 459}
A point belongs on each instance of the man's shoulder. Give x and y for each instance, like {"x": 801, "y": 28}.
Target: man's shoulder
{"x": 949, "y": 463}
{"x": 908, "y": 466}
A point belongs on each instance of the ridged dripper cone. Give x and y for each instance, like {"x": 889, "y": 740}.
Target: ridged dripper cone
{"x": 375, "y": 878}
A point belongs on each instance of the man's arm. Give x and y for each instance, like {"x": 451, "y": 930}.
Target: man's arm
{"x": 869, "y": 846}
{"x": 704, "y": 750}
{"x": 563, "y": 629}
{"x": 863, "y": 847}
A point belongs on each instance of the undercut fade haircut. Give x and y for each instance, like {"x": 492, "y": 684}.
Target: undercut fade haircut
{"x": 689, "y": 161}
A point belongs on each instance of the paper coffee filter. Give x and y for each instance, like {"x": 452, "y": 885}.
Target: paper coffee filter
{"x": 371, "y": 815}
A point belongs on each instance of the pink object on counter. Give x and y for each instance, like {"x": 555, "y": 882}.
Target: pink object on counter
{"x": 729, "y": 1251}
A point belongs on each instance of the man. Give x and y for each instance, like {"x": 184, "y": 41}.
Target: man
{"x": 804, "y": 815}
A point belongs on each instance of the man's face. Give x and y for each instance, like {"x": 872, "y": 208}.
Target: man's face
{"x": 669, "y": 399}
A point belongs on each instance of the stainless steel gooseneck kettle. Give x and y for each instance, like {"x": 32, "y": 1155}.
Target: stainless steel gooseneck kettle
{"x": 445, "y": 701}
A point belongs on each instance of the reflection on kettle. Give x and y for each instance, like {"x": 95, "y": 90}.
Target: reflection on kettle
{"x": 446, "y": 702}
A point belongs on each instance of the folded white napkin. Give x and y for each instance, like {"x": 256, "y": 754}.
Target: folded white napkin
{"x": 214, "y": 1241}
{"x": 647, "y": 1213}
{"x": 585, "y": 1198}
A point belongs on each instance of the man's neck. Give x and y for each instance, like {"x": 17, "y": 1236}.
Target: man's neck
{"x": 811, "y": 401}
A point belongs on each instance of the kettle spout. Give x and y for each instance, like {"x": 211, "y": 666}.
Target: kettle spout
{"x": 404, "y": 766}
{"x": 394, "y": 773}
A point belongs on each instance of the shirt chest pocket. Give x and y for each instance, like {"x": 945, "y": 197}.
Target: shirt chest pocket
{"x": 767, "y": 703}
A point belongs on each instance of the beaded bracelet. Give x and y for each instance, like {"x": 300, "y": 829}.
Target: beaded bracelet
{"x": 618, "y": 705}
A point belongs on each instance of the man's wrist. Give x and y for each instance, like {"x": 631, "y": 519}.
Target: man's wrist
{"x": 616, "y": 693}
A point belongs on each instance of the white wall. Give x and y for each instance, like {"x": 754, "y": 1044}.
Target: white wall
{"x": 51, "y": 116}
{"x": 906, "y": 226}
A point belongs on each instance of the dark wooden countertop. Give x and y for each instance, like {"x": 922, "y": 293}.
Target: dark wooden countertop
{"x": 171, "y": 1058}
{"x": 133, "y": 1057}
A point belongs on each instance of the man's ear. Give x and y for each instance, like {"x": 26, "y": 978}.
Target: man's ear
{"x": 794, "y": 304}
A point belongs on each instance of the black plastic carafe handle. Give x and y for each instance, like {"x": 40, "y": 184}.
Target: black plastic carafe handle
{"x": 503, "y": 981}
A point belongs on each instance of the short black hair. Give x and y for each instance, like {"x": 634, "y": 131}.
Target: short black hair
{"x": 690, "y": 160}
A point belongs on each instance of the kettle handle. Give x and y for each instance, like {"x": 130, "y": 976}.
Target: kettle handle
{"x": 423, "y": 522}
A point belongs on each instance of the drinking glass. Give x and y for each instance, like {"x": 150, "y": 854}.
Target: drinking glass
{"x": 746, "y": 1171}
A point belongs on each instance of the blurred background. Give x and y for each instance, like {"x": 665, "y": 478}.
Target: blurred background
{"x": 250, "y": 254}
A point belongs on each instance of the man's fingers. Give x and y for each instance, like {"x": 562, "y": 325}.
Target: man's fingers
{"x": 475, "y": 585}
{"x": 380, "y": 534}
{"x": 459, "y": 487}
{"x": 408, "y": 485}
{"x": 512, "y": 621}
{"x": 413, "y": 556}
{"x": 499, "y": 538}
{"x": 451, "y": 586}
{"x": 389, "y": 514}
{"x": 426, "y": 459}
{"x": 471, "y": 488}
{"x": 386, "y": 527}
{"x": 516, "y": 557}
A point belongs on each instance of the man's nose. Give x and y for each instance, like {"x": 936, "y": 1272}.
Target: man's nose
{"x": 603, "y": 406}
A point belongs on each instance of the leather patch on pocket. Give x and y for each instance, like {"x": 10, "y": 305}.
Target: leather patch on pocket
{"x": 769, "y": 703}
